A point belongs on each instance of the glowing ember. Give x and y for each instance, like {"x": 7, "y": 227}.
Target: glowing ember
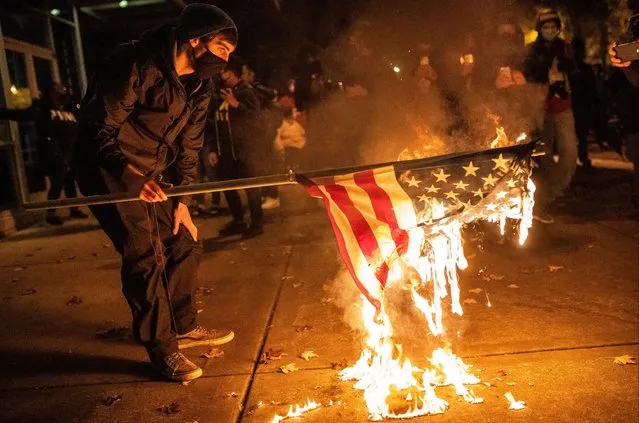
{"x": 393, "y": 387}
{"x": 297, "y": 411}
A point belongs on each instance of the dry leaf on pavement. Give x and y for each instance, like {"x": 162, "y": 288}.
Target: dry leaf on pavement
{"x": 75, "y": 300}
{"x": 114, "y": 333}
{"x": 513, "y": 286}
{"x": 18, "y": 269}
{"x": 289, "y": 368}
{"x": 475, "y": 291}
{"x": 339, "y": 365}
{"x": 470, "y": 301}
{"x": 111, "y": 399}
{"x": 172, "y": 408}
{"x": 303, "y": 328}
{"x": 514, "y": 404}
{"x": 273, "y": 354}
{"x": 29, "y": 291}
{"x": 625, "y": 359}
{"x": 555, "y": 268}
{"x": 213, "y": 353}
{"x": 307, "y": 355}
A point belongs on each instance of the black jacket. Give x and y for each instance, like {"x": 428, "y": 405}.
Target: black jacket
{"x": 138, "y": 111}
{"x": 232, "y": 132}
{"x": 541, "y": 55}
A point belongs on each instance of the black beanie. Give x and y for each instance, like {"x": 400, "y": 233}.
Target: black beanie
{"x": 199, "y": 20}
{"x": 547, "y": 14}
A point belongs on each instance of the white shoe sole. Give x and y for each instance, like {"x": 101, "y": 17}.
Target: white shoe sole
{"x": 185, "y": 378}
{"x": 186, "y": 343}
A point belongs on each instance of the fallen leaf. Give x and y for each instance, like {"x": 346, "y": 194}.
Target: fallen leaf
{"x": 289, "y": 368}
{"x": 555, "y": 268}
{"x": 18, "y": 269}
{"x": 71, "y": 258}
{"x": 253, "y": 408}
{"x": 339, "y": 365}
{"x": 512, "y": 285}
{"x": 298, "y": 284}
{"x": 302, "y": 328}
{"x": 284, "y": 278}
{"x": 470, "y": 301}
{"x": 475, "y": 291}
{"x": 306, "y": 355}
{"x": 204, "y": 290}
{"x": 213, "y": 353}
{"x": 511, "y": 383}
{"x": 496, "y": 277}
{"x": 75, "y": 300}
{"x": 111, "y": 399}
{"x": 514, "y": 405}
{"x": 29, "y": 255}
{"x": 94, "y": 254}
{"x": 273, "y": 354}
{"x": 625, "y": 359}
{"x": 29, "y": 291}
{"x": 502, "y": 373}
{"x": 172, "y": 408}
{"x": 488, "y": 384}
{"x": 327, "y": 300}
{"x": 232, "y": 395}
{"x": 232, "y": 262}
{"x": 114, "y": 333}
{"x": 531, "y": 384}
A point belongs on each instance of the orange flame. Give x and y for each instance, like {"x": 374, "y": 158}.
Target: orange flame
{"x": 297, "y": 411}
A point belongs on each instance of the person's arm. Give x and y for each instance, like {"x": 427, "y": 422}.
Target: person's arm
{"x": 109, "y": 101}
{"x": 631, "y": 72}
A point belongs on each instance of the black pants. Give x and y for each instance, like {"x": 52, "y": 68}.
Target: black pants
{"x": 61, "y": 178}
{"x": 159, "y": 269}
{"x": 235, "y": 169}
{"x": 583, "y": 123}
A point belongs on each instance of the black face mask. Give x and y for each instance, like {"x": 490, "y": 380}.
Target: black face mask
{"x": 208, "y": 65}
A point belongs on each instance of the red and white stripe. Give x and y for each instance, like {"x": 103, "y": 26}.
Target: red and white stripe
{"x": 371, "y": 216}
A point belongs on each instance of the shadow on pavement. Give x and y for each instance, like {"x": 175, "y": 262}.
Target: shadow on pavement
{"x": 50, "y": 231}
{"x": 18, "y": 363}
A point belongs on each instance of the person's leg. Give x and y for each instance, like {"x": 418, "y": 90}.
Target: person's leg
{"x": 56, "y": 179}
{"x": 71, "y": 192}
{"x": 582, "y": 130}
{"x": 543, "y": 176}
{"x": 228, "y": 170}
{"x": 566, "y": 141}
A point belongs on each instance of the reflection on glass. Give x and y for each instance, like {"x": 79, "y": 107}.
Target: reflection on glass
{"x": 19, "y": 89}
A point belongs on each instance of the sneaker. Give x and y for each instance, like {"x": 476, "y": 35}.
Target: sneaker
{"x": 54, "y": 219}
{"x": 201, "y": 336}
{"x": 235, "y": 227}
{"x": 78, "y": 214}
{"x": 270, "y": 203}
{"x": 253, "y": 231}
{"x": 544, "y": 217}
{"x": 177, "y": 367}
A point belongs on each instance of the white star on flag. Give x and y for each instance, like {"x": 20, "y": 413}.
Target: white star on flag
{"x": 461, "y": 185}
{"x": 423, "y": 198}
{"x": 451, "y": 195}
{"x": 490, "y": 180}
{"x": 470, "y": 169}
{"x": 511, "y": 183}
{"x": 479, "y": 193}
{"x": 501, "y": 163}
{"x": 412, "y": 182}
{"x": 432, "y": 189}
{"x": 441, "y": 176}
{"x": 491, "y": 206}
{"x": 501, "y": 195}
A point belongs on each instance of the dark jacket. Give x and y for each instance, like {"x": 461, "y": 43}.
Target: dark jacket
{"x": 56, "y": 129}
{"x": 538, "y": 63}
{"x": 138, "y": 111}
{"x": 232, "y": 132}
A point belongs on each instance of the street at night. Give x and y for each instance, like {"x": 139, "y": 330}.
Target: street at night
{"x": 562, "y": 308}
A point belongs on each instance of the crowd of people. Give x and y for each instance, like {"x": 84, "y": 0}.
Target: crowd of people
{"x": 176, "y": 107}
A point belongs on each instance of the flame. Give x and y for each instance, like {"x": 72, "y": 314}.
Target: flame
{"x": 394, "y": 387}
{"x": 522, "y": 137}
{"x": 297, "y": 411}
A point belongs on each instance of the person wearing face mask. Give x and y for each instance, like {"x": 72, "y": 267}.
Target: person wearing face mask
{"x": 142, "y": 126}
{"x": 550, "y": 62}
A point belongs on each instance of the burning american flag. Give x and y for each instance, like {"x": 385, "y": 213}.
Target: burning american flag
{"x": 374, "y": 212}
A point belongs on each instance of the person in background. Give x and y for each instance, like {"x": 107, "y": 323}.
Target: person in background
{"x": 233, "y": 138}
{"x": 584, "y": 101}
{"x": 550, "y": 62}
{"x": 290, "y": 139}
{"x": 625, "y": 89}
{"x": 55, "y": 117}
{"x": 142, "y": 126}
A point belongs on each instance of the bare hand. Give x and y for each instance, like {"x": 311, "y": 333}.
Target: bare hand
{"x": 212, "y": 159}
{"x": 181, "y": 216}
{"x": 519, "y": 78}
{"x": 503, "y": 81}
{"x": 616, "y": 62}
{"x": 144, "y": 187}
{"x": 229, "y": 97}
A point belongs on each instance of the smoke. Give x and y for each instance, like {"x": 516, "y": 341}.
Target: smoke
{"x": 382, "y": 110}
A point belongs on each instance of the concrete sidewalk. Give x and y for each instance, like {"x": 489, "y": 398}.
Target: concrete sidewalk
{"x": 553, "y": 337}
